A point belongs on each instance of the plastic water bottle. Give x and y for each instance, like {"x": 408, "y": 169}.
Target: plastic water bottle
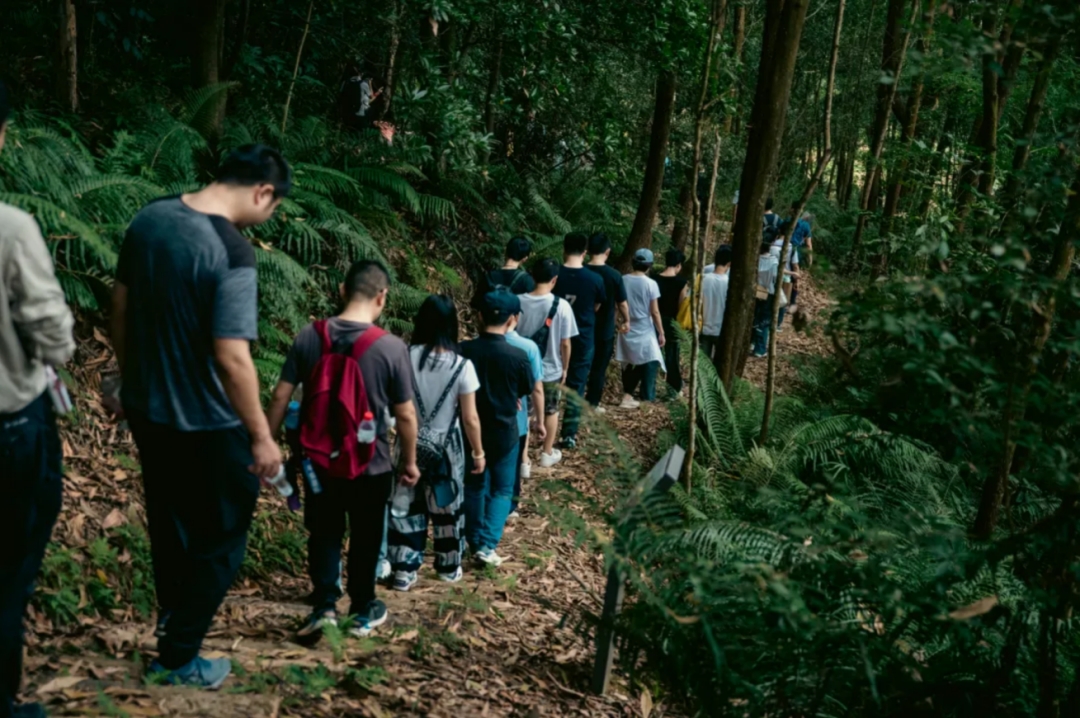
{"x": 312, "y": 478}
{"x": 292, "y": 416}
{"x": 402, "y": 500}
{"x": 366, "y": 433}
{"x": 281, "y": 483}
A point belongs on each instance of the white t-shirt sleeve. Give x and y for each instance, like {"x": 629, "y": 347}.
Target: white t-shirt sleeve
{"x": 569, "y": 328}
{"x": 468, "y": 382}
{"x": 654, "y": 289}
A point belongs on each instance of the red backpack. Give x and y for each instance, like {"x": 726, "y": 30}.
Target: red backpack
{"x": 335, "y": 401}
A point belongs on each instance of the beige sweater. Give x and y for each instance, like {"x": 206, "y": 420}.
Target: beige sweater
{"x": 35, "y": 322}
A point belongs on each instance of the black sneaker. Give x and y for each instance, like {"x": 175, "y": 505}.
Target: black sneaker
{"x": 312, "y": 630}
{"x": 373, "y": 617}
{"x": 162, "y": 622}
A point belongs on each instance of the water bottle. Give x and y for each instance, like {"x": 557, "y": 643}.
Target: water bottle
{"x": 312, "y": 478}
{"x": 281, "y": 483}
{"x": 402, "y": 500}
{"x": 366, "y": 433}
{"x": 292, "y": 416}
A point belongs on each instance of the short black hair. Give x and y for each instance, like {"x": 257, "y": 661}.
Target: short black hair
{"x": 575, "y": 243}
{"x": 765, "y": 248}
{"x": 366, "y": 278}
{"x": 545, "y": 270}
{"x": 674, "y": 257}
{"x": 722, "y": 256}
{"x": 769, "y": 204}
{"x": 518, "y": 249}
{"x": 784, "y": 228}
{"x": 599, "y": 243}
{"x": 251, "y": 165}
{"x": 5, "y": 104}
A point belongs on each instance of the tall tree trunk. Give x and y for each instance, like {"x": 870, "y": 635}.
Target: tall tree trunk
{"x": 240, "y": 39}
{"x": 681, "y": 232}
{"x": 296, "y": 66}
{"x": 1033, "y": 334}
{"x": 784, "y": 21}
{"x": 641, "y": 233}
{"x": 910, "y": 120}
{"x": 206, "y": 65}
{"x": 391, "y": 59}
{"x": 731, "y": 120}
{"x": 815, "y": 179}
{"x": 1031, "y": 118}
{"x": 894, "y": 50}
{"x": 67, "y": 76}
{"x": 715, "y": 27}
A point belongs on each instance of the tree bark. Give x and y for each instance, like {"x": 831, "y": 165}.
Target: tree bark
{"x": 910, "y": 120}
{"x": 815, "y": 179}
{"x": 641, "y": 233}
{"x": 894, "y": 50}
{"x": 1034, "y": 333}
{"x": 681, "y": 232}
{"x": 731, "y": 120}
{"x": 67, "y": 77}
{"x": 206, "y": 65}
{"x": 242, "y": 25}
{"x": 784, "y": 21}
{"x": 1031, "y": 117}
{"x": 391, "y": 61}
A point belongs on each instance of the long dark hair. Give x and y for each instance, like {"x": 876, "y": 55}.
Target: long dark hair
{"x": 435, "y": 326}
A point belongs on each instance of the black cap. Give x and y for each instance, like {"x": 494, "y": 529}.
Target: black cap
{"x": 499, "y": 305}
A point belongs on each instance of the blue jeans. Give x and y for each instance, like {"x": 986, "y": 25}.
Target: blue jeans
{"x": 31, "y": 478}
{"x": 487, "y": 500}
{"x": 762, "y": 320}
{"x": 582, "y": 351}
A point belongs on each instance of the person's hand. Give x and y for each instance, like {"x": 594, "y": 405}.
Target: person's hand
{"x": 539, "y": 429}
{"x": 663, "y": 340}
{"x": 562, "y": 380}
{"x": 410, "y": 474}
{"x": 624, "y": 329}
{"x": 479, "y": 465}
{"x": 519, "y": 404}
{"x": 266, "y": 458}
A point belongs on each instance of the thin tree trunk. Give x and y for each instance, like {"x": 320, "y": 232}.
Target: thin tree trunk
{"x": 892, "y": 62}
{"x": 710, "y": 219}
{"x": 67, "y": 85}
{"x": 206, "y": 65}
{"x": 819, "y": 171}
{"x": 681, "y": 232}
{"x": 784, "y": 21}
{"x": 715, "y": 25}
{"x": 391, "y": 61}
{"x": 641, "y": 234}
{"x": 731, "y": 120}
{"x": 880, "y": 264}
{"x": 296, "y": 66}
{"x": 1031, "y": 117}
{"x": 1037, "y": 325}
{"x": 242, "y": 25}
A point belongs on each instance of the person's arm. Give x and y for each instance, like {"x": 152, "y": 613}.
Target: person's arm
{"x": 407, "y": 428}
{"x": 654, "y": 310}
{"x": 623, "y": 310}
{"x": 538, "y": 410}
{"x": 470, "y": 420}
{"x": 241, "y": 384}
{"x": 37, "y": 304}
{"x": 564, "y": 351}
{"x": 809, "y": 251}
{"x": 118, "y": 322}
{"x": 279, "y": 404}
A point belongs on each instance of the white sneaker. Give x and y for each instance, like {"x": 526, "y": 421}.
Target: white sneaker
{"x": 600, "y": 410}
{"x": 383, "y": 571}
{"x": 490, "y": 558}
{"x": 630, "y": 403}
{"x": 549, "y": 460}
{"x": 453, "y": 577}
{"x": 526, "y": 470}
{"x": 513, "y": 515}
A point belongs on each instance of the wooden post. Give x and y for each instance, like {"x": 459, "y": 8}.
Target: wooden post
{"x": 662, "y": 477}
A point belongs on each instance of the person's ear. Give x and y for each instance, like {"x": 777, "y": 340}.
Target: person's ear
{"x": 341, "y": 290}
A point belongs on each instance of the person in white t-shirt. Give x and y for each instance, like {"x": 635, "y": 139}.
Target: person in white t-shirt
{"x": 553, "y": 339}
{"x": 768, "y": 266}
{"x": 445, "y": 386}
{"x": 791, "y": 269}
{"x": 639, "y": 348}
{"x": 714, "y": 290}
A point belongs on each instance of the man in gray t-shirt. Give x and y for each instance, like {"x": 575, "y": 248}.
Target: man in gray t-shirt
{"x": 184, "y": 315}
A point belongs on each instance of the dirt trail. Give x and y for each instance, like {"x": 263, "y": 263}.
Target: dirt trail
{"x": 500, "y": 643}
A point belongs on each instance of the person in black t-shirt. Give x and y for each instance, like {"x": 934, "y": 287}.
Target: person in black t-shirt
{"x": 599, "y": 253}
{"x": 672, "y": 291}
{"x": 505, "y": 378}
{"x": 585, "y": 292}
{"x": 511, "y": 275}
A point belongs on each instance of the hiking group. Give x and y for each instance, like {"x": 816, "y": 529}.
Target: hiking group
{"x": 462, "y": 415}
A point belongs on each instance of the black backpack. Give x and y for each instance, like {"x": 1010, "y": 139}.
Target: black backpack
{"x": 540, "y": 336}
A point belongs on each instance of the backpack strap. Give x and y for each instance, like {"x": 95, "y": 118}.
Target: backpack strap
{"x": 322, "y": 328}
{"x": 363, "y": 342}
{"x": 424, "y": 417}
{"x": 554, "y": 309}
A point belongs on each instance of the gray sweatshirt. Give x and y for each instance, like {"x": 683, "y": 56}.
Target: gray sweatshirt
{"x": 35, "y": 322}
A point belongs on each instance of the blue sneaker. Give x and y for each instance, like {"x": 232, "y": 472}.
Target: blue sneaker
{"x": 371, "y": 618}
{"x": 208, "y": 673}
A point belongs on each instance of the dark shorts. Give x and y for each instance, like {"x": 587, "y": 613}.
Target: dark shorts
{"x": 552, "y": 398}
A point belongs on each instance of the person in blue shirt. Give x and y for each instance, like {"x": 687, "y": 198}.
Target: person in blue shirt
{"x": 802, "y": 243}
{"x": 536, "y": 363}
{"x": 584, "y": 290}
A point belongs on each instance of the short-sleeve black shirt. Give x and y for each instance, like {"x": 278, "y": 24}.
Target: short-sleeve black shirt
{"x": 505, "y": 377}
{"x": 615, "y": 293}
